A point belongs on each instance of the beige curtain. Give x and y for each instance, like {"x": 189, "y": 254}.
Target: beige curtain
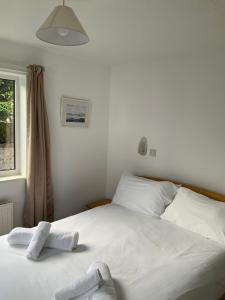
{"x": 39, "y": 199}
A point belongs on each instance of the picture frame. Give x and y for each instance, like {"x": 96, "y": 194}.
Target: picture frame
{"x": 75, "y": 112}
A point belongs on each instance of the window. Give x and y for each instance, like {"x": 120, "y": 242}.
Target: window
{"x": 12, "y": 94}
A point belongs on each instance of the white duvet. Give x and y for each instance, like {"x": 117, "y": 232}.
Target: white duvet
{"x": 149, "y": 258}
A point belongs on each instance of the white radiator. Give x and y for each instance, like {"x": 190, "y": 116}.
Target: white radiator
{"x": 6, "y": 217}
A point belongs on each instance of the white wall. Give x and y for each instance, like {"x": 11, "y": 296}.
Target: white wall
{"x": 78, "y": 154}
{"x": 179, "y": 105}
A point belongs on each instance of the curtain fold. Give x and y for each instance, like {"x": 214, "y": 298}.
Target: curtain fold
{"x": 39, "y": 199}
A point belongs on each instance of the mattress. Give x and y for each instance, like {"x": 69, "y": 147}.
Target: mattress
{"x": 149, "y": 258}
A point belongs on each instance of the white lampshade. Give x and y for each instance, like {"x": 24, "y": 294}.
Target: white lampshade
{"x": 62, "y": 27}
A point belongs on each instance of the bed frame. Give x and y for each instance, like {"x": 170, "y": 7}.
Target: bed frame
{"x": 207, "y": 193}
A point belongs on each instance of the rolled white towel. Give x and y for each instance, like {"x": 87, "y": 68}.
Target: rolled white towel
{"x": 84, "y": 285}
{"x": 38, "y": 240}
{"x": 107, "y": 291}
{"x": 65, "y": 241}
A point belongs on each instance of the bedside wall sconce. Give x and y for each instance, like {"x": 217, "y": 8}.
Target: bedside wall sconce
{"x": 143, "y": 146}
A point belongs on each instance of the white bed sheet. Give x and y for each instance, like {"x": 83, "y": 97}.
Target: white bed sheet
{"x": 149, "y": 258}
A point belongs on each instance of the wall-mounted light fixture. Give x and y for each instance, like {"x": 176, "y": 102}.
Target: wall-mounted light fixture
{"x": 143, "y": 146}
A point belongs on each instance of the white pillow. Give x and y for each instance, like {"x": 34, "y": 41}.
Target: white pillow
{"x": 143, "y": 195}
{"x": 198, "y": 213}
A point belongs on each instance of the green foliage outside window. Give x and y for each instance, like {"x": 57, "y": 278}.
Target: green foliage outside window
{"x": 6, "y": 106}
{"x": 2, "y": 133}
{"x": 6, "y": 99}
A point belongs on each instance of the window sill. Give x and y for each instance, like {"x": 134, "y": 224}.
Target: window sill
{"x": 12, "y": 178}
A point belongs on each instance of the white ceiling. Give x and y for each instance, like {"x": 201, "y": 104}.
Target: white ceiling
{"x": 124, "y": 30}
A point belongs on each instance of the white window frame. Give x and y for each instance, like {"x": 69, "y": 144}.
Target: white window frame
{"x": 16, "y": 77}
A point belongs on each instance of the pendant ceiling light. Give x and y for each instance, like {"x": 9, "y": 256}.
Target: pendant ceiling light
{"x": 62, "y": 27}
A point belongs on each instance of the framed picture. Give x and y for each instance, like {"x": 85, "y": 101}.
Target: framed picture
{"x": 75, "y": 112}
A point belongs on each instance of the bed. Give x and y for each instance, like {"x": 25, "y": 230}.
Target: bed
{"x": 149, "y": 258}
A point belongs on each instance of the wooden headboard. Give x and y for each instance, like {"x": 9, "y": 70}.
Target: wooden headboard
{"x": 212, "y": 195}
{"x": 207, "y": 193}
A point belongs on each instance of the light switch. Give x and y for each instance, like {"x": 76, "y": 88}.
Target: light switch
{"x": 153, "y": 152}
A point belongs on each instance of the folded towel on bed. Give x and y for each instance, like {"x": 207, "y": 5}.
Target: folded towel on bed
{"x": 107, "y": 291}
{"x": 85, "y": 285}
{"x": 38, "y": 240}
{"x": 65, "y": 241}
